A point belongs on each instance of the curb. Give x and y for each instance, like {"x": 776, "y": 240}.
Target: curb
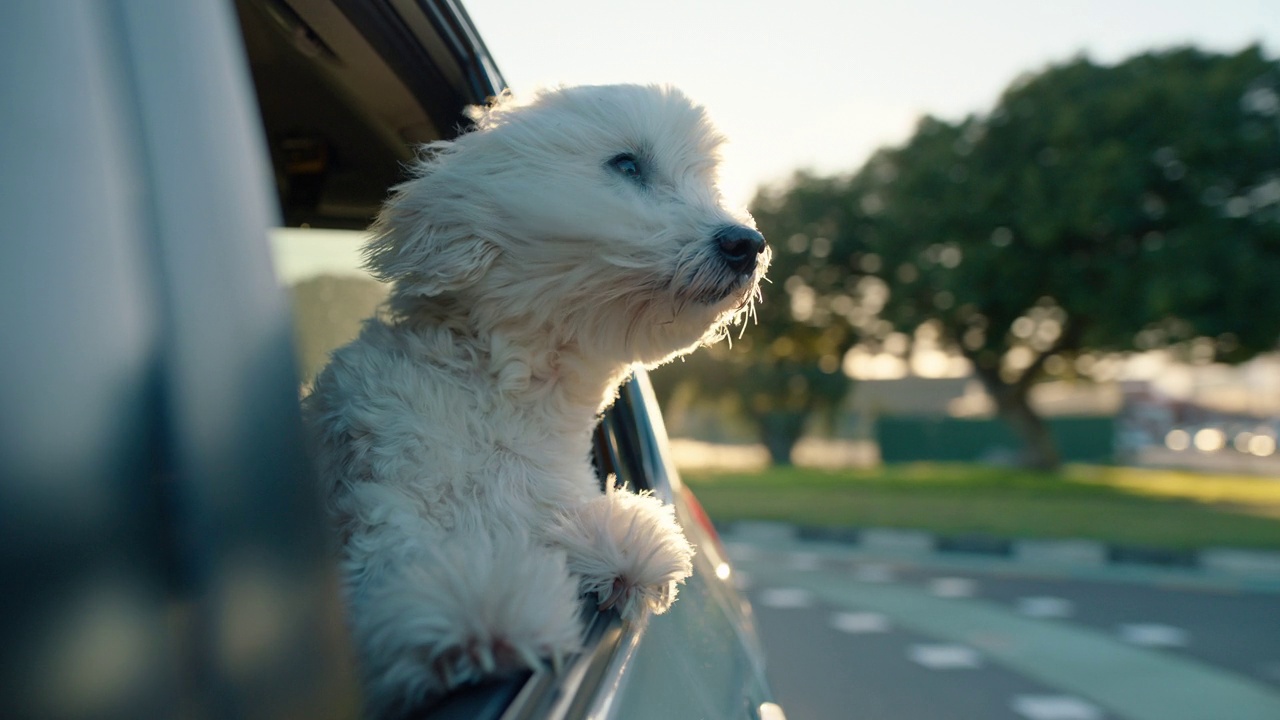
{"x": 1070, "y": 552}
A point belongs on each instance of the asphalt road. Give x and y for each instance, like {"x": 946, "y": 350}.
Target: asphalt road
{"x": 856, "y": 634}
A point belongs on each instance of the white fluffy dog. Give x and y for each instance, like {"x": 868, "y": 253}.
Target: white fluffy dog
{"x": 533, "y": 261}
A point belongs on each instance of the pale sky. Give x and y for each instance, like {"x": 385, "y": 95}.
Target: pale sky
{"x": 820, "y": 84}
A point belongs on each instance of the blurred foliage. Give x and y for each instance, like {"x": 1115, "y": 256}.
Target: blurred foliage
{"x": 1095, "y": 209}
{"x": 327, "y": 313}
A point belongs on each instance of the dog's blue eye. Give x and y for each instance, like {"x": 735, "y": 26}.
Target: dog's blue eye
{"x": 626, "y": 164}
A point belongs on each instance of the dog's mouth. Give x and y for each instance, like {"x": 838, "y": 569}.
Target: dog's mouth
{"x": 713, "y": 283}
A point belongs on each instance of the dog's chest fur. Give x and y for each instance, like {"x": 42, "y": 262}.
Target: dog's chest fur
{"x": 439, "y": 415}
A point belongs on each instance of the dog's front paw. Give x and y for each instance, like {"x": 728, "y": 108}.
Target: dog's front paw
{"x": 627, "y": 550}
{"x": 458, "y": 611}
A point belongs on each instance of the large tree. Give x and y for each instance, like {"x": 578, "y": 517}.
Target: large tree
{"x": 1094, "y": 209}
{"x": 785, "y": 367}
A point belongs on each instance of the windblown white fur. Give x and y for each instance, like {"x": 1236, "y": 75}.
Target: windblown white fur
{"x": 531, "y": 269}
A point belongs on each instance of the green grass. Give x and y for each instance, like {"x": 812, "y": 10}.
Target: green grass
{"x": 1153, "y": 508}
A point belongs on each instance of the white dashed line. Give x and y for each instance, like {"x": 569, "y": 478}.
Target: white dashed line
{"x": 953, "y": 587}
{"x": 874, "y": 574}
{"x": 1045, "y": 607}
{"x": 786, "y": 598}
{"x": 1153, "y": 635}
{"x": 858, "y": 623}
{"x": 1055, "y": 707}
{"x": 945, "y": 657}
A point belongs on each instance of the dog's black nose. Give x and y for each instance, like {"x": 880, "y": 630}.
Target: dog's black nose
{"x": 739, "y": 246}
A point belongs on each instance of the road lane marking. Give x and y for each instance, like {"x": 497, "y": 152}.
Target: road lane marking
{"x": 1046, "y": 608}
{"x": 1055, "y": 707}
{"x": 945, "y": 657}
{"x": 857, "y": 623}
{"x": 1153, "y": 635}
{"x": 1128, "y": 681}
{"x": 953, "y": 587}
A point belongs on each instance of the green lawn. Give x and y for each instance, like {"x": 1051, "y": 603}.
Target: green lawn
{"x": 1167, "y": 509}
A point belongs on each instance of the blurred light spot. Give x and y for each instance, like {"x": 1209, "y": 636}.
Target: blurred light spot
{"x": 254, "y": 619}
{"x": 1262, "y": 100}
{"x": 908, "y": 273}
{"x": 99, "y": 654}
{"x": 771, "y": 711}
{"x": 974, "y": 338}
{"x": 1001, "y": 237}
{"x": 1268, "y": 193}
{"x": 798, "y": 243}
{"x": 1153, "y": 205}
{"x": 783, "y": 347}
{"x": 896, "y": 344}
{"x": 1023, "y": 327}
{"x": 1210, "y": 440}
{"x": 1241, "y": 442}
{"x": 723, "y": 571}
{"x": 1237, "y": 207}
{"x": 1178, "y": 440}
{"x": 802, "y": 303}
{"x": 950, "y": 256}
{"x": 1262, "y": 445}
{"x": 1214, "y": 195}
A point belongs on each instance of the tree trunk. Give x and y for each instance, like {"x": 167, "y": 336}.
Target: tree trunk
{"x": 780, "y": 431}
{"x": 1039, "y": 451}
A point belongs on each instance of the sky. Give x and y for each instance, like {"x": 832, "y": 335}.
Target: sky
{"x": 820, "y": 84}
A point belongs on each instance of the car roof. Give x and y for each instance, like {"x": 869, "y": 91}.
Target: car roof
{"x": 347, "y": 90}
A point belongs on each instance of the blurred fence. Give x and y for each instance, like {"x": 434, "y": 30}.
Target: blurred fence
{"x": 904, "y": 439}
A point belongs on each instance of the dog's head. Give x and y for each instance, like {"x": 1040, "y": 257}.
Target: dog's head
{"x": 588, "y": 214}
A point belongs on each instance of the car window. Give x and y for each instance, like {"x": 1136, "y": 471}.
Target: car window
{"x": 330, "y": 291}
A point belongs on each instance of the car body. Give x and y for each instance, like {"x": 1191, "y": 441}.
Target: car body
{"x": 161, "y": 545}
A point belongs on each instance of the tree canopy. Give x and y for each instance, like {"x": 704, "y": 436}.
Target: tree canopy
{"x": 1094, "y": 209}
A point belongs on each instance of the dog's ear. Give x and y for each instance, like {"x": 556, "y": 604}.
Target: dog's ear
{"x": 421, "y": 242}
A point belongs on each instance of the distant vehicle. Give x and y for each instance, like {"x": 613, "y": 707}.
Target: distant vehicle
{"x": 161, "y": 550}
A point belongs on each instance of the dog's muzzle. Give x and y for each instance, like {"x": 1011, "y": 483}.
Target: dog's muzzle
{"x": 739, "y": 247}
